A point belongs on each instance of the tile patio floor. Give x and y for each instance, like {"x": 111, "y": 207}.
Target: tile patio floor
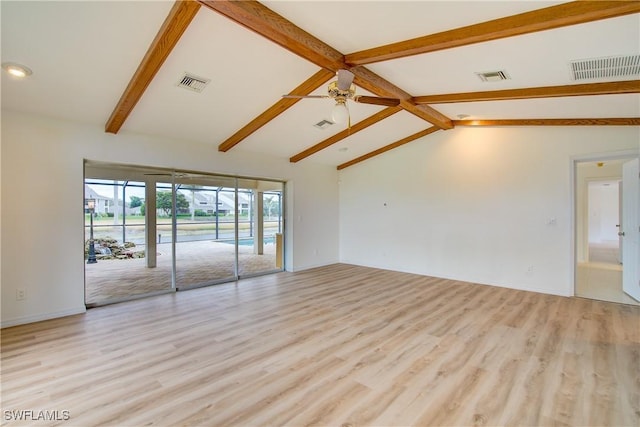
{"x": 197, "y": 263}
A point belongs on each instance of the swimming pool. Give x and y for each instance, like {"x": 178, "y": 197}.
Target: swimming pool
{"x": 248, "y": 241}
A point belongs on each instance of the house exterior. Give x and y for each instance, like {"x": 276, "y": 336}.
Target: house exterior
{"x": 205, "y": 200}
{"x": 103, "y": 205}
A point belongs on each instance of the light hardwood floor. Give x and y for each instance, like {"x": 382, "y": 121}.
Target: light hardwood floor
{"x": 338, "y": 345}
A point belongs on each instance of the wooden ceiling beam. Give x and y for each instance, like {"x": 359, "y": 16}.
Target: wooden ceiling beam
{"x": 175, "y": 24}
{"x": 276, "y": 109}
{"x": 606, "y": 88}
{"x": 267, "y": 23}
{"x": 380, "y": 115}
{"x": 633, "y": 121}
{"x": 372, "y": 82}
{"x": 389, "y": 147}
{"x": 618, "y": 121}
{"x": 562, "y": 15}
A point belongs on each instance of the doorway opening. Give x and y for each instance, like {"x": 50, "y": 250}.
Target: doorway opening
{"x": 151, "y": 230}
{"x": 598, "y": 218}
{"x": 603, "y": 217}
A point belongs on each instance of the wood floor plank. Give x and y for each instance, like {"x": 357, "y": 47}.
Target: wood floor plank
{"x": 338, "y": 345}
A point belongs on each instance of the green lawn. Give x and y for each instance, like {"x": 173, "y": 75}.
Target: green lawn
{"x": 201, "y": 225}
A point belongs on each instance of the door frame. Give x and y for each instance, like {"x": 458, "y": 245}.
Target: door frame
{"x": 574, "y": 161}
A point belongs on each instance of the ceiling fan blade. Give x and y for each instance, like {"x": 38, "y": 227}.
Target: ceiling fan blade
{"x": 345, "y": 78}
{"x": 388, "y": 102}
{"x": 305, "y": 96}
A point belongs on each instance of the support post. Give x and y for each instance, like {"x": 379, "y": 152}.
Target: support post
{"x": 217, "y": 214}
{"x": 258, "y": 215}
{"x": 150, "y": 221}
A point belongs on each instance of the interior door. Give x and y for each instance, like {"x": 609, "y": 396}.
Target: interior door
{"x": 630, "y": 230}
{"x": 620, "y": 249}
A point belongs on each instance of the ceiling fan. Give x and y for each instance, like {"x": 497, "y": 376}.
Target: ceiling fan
{"x": 342, "y": 90}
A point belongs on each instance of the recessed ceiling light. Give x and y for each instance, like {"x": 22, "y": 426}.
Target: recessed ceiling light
{"x": 16, "y": 70}
{"x": 343, "y": 149}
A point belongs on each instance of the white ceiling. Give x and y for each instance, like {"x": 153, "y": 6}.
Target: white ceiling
{"x": 83, "y": 54}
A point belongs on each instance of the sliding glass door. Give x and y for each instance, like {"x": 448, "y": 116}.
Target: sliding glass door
{"x": 157, "y": 230}
{"x": 260, "y": 246}
{"x": 206, "y": 230}
{"x": 123, "y": 259}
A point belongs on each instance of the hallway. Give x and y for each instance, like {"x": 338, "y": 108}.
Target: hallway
{"x": 601, "y": 278}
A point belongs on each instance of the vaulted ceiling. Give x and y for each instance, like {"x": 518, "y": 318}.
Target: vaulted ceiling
{"x": 121, "y": 62}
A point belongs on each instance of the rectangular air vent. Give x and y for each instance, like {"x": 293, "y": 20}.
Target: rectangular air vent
{"x": 194, "y": 83}
{"x": 323, "y": 124}
{"x": 606, "y": 67}
{"x": 493, "y": 76}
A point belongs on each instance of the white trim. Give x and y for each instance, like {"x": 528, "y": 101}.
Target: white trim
{"x": 607, "y": 155}
{"x": 300, "y": 268}
{"x": 41, "y": 317}
{"x": 611, "y": 155}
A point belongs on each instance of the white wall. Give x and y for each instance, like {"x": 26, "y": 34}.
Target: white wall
{"x": 42, "y": 165}
{"x": 485, "y": 205}
{"x": 604, "y": 213}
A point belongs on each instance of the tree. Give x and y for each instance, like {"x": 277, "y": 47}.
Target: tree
{"x": 135, "y": 201}
{"x": 164, "y": 202}
{"x": 270, "y": 205}
{"x": 182, "y": 204}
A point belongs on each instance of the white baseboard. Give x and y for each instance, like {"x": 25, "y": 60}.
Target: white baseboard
{"x": 310, "y": 266}
{"x": 6, "y": 323}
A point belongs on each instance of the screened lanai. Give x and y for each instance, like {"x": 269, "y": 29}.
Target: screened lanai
{"x": 150, "y": 231}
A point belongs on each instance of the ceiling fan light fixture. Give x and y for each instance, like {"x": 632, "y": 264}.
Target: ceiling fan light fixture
{"x": 340, "y": 114}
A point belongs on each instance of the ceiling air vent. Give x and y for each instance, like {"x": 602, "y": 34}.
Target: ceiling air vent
{"x": 607, "y": 67}
{"x": 323, "y": 124}
{"x": 194, "y": 83}
{"x": 493, "y": 76}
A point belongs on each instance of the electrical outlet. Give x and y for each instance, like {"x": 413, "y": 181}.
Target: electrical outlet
{"x": 21, "y": 294}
